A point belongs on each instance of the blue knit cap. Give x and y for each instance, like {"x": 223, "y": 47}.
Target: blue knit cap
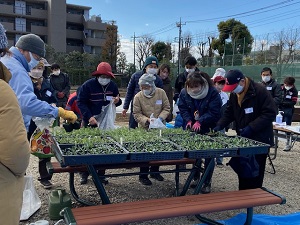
{"x": 3, "y": 38}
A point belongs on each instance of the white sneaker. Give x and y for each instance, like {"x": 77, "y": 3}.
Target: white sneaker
{"x": 287, "y": 148}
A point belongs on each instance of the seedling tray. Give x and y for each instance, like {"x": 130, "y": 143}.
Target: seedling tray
{"x": 139, "y": 151}
{"x": 245, "y": 146}
{"x": 69, "y": 156}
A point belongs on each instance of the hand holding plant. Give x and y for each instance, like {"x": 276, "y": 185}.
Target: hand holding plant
{"x": 196, "y": 127}
{"x": 189, "y": 125}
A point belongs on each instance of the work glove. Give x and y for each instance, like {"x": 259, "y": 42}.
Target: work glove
{"x": 60, "y": 94}
{"x": 196, "y": 127}
{"x": 247, "y": 132}
{"x": 189, "y": 125}
{"x": 67, "y": 115}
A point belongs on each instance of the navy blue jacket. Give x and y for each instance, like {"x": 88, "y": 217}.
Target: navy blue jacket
{"x": 133, "y": 87}
{"x": 209, "y": 109}
{"x": 47, "y": 93}
{"x": 93, "y": 96}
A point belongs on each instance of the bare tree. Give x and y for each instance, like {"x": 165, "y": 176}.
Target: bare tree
{"x": 283, "y": 49}
{"x": 143, "y": 49}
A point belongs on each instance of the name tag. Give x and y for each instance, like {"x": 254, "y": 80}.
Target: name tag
{"x": 48, "y": 93}
{"x": 109, "y": 98}
{"x": 288, "y": 96}
{"x": 249, "y": 110}
{"x": 269, "y": 88}
{"x": 158, "y": 102}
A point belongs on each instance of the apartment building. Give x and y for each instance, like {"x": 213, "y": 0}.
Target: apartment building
{"x": 65, "y": 27}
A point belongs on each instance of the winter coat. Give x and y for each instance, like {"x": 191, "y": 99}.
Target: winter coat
{"x": 61, "y": 83}
{"x": 133, "y": 87}
{"x": 257, "y": 111}
{"x": 275, "y": 90}
{"x": 22, "y": 85}
{"x": 167, "y": 86}
{"x": 288, "y": 99}
{"x": 143, "y": 107}
{"x": 73, "y": 106}
{"x": 93, "y": 96}
{"x": 14, "y": 156}
{"x": 209, "y": 109}
{"x": 180, "y": 82}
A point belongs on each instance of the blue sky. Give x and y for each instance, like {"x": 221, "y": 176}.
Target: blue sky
{"x": 158, "y": 17}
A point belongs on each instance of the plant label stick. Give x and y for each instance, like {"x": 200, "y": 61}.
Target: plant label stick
{"x": 121, "y": 140}
{"x": 160, "y": 133}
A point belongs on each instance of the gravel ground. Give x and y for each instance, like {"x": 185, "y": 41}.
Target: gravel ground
{"x": 285, "y": 182}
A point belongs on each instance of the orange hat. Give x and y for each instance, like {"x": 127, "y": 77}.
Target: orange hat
{"x": 103, "y": 69}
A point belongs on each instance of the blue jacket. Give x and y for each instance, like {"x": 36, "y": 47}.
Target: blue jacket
{"x": 46, "y": 93}
{"x": 92, "y": 96}
{"x": 22, "y": 85}
{"x": 209, "y": 109}
{"x": 133, "y": 87}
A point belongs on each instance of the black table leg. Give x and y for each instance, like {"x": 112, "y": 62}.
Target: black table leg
{"x": 98, "y": 184}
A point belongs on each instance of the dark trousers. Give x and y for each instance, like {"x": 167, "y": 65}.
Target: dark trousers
{"x": 146, "y": 170}
{"x": 255, "y": 182}
{"x": 209, "y": 175}
{"x": 44, "y": 175}
{"x": 86, "y": 174}
{"x": 132, "y": 123}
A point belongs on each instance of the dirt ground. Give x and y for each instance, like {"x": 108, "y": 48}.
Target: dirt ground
{"x": 121, "y": 189}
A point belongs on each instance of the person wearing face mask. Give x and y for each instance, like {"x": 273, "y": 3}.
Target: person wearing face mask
{"x": 273, "y": 87}
{"x": 219, "y": 82}
{"x": 199, "y": 105}
{"x": 190, "y": 63}
{"x": 44, "y": 92}
{"x": 252, "y": 108}
{"x": 150, "y": 100}
{"x": 150, "y": 67}
{"x": 288, "y": 100}
{"x": 26, "y": 54}
{"x": 61, "y": 84}
{"x": 164, "y": 72}
{"x": 92, "y": 96}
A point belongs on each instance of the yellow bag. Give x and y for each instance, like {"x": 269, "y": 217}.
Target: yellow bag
{"x": 40, "y": 143}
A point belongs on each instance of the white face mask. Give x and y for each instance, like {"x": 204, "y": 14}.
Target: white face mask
{"x": 103, "y": 81}
{"x": 190, "y": 70}
{"x": 36, "y": 73}
{"x": 266, "y": 78}
{"x": 56, "y": 72}
{"x": 238, "y": 89}
{"x": 33, "y": 62}
{"x": 147, "y": 92}
{"x": 151, "y": 71}
{"x": 287, "y": 87}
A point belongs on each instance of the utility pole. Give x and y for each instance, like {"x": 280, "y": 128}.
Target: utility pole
{"x": 179, "y": 43}
{"x": 134, "y": 37}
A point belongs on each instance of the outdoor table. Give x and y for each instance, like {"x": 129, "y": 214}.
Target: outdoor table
{"x": 293, "y": 130}
{"x": 92, "y": 163}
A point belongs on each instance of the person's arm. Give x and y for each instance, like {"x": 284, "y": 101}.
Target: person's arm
{"x": 184, "y": 108}
{"x": 290, "y": 102}
{"x": 67, "y": 88}
{"x": 82, "y": 102}
{"x": 130, "y": 92}
{"x": 228, "y": 115}
{"x": 277, "y": 94}
{"x": 213, "y": 114}
{"x": 138, "y": 112}
{"x": 165, "y": 106}
{"x": 116, "y": 93}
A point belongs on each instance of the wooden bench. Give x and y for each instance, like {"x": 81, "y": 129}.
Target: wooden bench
{"x": 152, "y": 209}
{"x": 55, "y": 167}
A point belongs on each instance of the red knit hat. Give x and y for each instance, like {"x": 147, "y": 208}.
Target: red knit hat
{"x": 103, "y": 69}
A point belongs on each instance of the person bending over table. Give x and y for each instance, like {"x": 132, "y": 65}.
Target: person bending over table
{"x": 200, "y": 107}
{"x": 150, "y": 100}
{"x": 93, "y": 95}
{"x": 252, "y": 108}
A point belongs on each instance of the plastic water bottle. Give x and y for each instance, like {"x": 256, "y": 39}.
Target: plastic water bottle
{"x": 279, "y": 117}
